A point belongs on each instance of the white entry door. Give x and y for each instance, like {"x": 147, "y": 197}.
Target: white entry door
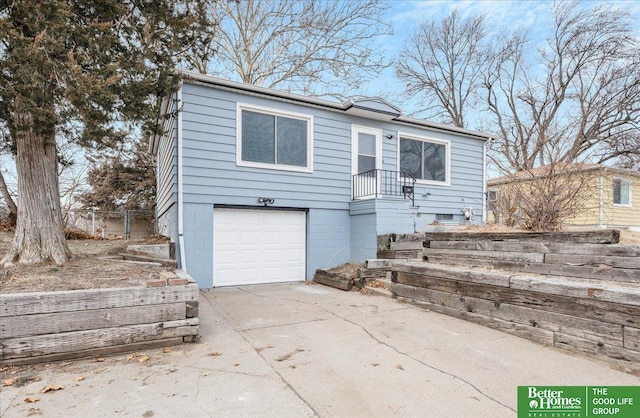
{"x": 258, "y": 246}
{"x": 366, "y": 161}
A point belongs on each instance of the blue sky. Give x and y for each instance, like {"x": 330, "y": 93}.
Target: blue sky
{"x": 406, "y": 16}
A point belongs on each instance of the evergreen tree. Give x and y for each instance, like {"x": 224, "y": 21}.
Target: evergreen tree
{"x": 124, "y": 181}
{"x": 86, "y": 71}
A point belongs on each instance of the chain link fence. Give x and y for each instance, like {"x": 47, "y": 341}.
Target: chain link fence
{"x": 130, "y": 224}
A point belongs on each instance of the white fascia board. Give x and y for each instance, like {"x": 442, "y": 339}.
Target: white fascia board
{"x": 333, "y": 106}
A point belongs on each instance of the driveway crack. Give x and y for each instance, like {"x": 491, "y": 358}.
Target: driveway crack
{"x": 243, "y": 333}
{"x": 477, "y": 389}
{"x": 408, "y": 355}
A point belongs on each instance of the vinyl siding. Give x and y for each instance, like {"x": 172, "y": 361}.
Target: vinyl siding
{"x": 338, "y": 231}
{"x": 209, "y": 147}
{"x": 167, "y": 177}
{"x": 466, "y": 178}
{"x": 621, "y": 216}
{"x": 590, "y": 214}
{"x": 209, "y": 137}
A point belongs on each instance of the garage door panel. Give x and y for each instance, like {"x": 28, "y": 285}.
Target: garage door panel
{"x": 258, "y": 246}
{"x": 227, "y": 237}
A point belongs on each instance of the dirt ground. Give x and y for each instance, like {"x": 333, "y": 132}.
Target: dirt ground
{"x": 630, "y": 238}
{"x": 87, "y": 269}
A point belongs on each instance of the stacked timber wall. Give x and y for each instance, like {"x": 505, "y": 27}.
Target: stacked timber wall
{"x": 565, "y": 290}
{"x": 49, "y": 326}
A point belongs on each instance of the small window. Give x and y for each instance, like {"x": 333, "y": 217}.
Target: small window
{"x": 621, "y": 192}
{"x": 271, "y": 139}
{"x": 444, "y": 217}
{"x": 425, "y": 160}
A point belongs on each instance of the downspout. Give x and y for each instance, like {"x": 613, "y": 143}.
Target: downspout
{"x": 601, "y": 204}
{"x": 183, "y": 259}
{"x": 485, "y": 214}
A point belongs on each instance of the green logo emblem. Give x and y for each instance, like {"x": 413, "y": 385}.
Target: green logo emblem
{"x": 578, "y": 401}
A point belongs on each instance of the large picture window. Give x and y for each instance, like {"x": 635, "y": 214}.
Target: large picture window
{"x": 426, "y": 160}
{"x": 621, "y": 192}
{"x": 271, "y": 139}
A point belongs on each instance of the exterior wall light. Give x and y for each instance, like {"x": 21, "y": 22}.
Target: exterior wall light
{"x": 266, "y": 200}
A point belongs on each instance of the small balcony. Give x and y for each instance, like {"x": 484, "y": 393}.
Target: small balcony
{"x": 383, "y": 183}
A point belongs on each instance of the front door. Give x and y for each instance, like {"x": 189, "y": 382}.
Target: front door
{"x": 366, "y": 161}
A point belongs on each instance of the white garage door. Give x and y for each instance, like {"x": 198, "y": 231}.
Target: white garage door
{"x": 258, "y": 246}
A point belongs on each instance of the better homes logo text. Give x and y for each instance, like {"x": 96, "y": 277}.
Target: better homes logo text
{"x": 554, "y": 402}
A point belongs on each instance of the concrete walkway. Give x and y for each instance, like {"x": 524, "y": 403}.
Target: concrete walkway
{"x": 307, "y": 350}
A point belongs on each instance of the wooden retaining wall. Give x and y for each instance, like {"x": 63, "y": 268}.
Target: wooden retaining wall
{"x": 580, "y": 294}
{"x": 584, "y": 254}
{"x": 49, "y": 326}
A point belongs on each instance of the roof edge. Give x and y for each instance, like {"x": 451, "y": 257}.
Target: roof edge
{"x": 215, "y": 81}
{"x": 341, "y": 107}
{"x": 509, "y": 178}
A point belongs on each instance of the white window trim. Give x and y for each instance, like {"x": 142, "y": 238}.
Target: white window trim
{"x": 444, "y": 142}
{"x": 269, "y": 111}
{"x": 630, "y": 183}
{"x": 355, "y": 130}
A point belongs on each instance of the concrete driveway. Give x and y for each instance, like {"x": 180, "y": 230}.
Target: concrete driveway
{"x": 303, "y": 350}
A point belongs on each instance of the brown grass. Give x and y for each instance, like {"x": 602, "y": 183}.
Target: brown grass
{"x": 630, "y": 237}
{"x": 87, "y": 270}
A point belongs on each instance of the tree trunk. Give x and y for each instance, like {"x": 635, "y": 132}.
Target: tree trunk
{"x": 4, "y": 190}
{"x": 39, "y": 235}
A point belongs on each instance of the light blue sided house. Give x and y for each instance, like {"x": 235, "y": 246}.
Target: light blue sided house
{"x": 261, "y": 186}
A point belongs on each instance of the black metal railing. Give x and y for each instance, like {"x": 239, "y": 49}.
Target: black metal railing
{"x": 380, "y": 183}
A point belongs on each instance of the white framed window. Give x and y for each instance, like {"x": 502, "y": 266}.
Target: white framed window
{"x": 427, "y": 160}
{"x": 621, "y": 192}
{"x": 274, "y": 139}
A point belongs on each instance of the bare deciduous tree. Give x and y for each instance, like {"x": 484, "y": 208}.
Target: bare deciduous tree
{"x": 5, "y": 192}
{"x": 440, "y": 64}
{"x": 305, "y": 46}
{"x": 543, "y": 199}
{"x": 627, "y": 149}
{"x": 586, "y": 101}
{"x": 6, "y": 195}
{"x": 576, "y": 97}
